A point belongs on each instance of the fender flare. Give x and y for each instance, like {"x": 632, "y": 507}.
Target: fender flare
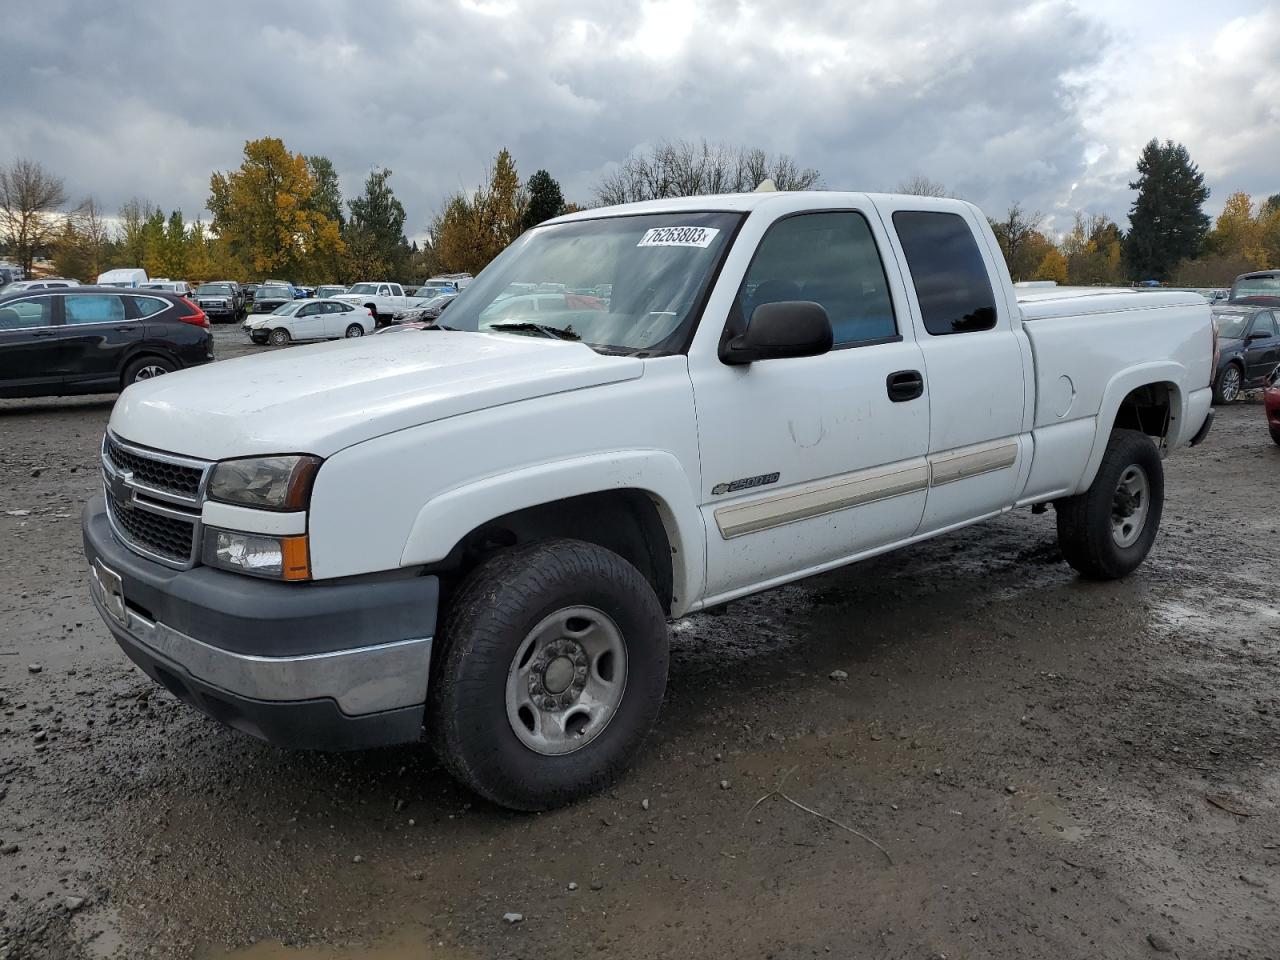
{"x": 450, "y": 515}
{"x": 1119, "y": 387}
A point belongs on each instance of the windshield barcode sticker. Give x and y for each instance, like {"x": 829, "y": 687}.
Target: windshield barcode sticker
{"x": 679, "y": 237}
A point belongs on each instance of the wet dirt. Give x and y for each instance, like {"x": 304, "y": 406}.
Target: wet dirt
{"x": 1033, "y": 751}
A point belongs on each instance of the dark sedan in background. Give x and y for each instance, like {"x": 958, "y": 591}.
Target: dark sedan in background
{"x": 268, "y": 296}
{"x": 1248, "y": 348}
{"x": 96, "y": 339}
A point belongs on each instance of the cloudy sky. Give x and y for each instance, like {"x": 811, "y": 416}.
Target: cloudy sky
{"x": 1045, "y": 103}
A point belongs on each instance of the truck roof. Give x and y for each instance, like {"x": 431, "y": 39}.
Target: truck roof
{"x": 746, "y": 202}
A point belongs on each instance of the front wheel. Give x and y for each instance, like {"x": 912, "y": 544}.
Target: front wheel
{"x": 552, "y": 671}
{"x": 355, "y": 330}
{"x": 1107, "y": 531}
{"x": 1227, "y": 387}
{"x": 279, "y": 337}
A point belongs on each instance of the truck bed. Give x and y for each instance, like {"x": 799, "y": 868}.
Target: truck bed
{"x": 1037, "y": 303}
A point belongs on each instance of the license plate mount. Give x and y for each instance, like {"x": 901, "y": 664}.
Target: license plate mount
{"x": 110, "y": 590}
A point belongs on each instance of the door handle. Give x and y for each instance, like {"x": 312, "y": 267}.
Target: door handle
{"x": 904, "y": 385}
{"x": 44, "y": 333}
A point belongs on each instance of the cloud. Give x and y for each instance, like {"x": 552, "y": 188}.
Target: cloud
{"x": 1001, "y": 101}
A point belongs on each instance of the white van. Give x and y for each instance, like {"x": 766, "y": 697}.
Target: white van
{"x": 123, "y": 277}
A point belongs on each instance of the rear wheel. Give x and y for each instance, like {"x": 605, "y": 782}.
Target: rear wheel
{"x": 355, "y": 330}
{"x": 1227, "y": 387}
{"x": 1106, "y": 532}
{"x": 147, "y": 368}
{"x": 1275, "y": 435}
{"x": 552, "y": 668}
{"x": 279, "y": 337}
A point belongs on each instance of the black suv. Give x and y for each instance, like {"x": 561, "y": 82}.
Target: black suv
{"x": 96, "y": 339}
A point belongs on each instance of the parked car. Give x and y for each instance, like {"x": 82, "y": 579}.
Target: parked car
{"x": 330, "y": 290}
{"x": 783, "y": 383}
{"x": 1248, "y": 348}
{"x": 44, "y": 283}
{"x": 123, "y": 277}
{"x": 180, "y": 287}
{"x": 380, "y": 298}
{"x": 96, "y": 339}
{"x": 271, "y": 294}
{"x": 1271, "y": 401}
{"x": 221, "y": 300}
{"x": 1262, "y": 287}
{"x": 10, "y": 272}
{"x": 309, "y": 320}
{"x": 250, "y": 290}
{"x": 428, "y": 311}
{"x": 458, "y": 280}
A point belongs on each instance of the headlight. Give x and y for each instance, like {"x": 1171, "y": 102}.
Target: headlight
{"x": 279, "y": 558}
{"x": 268, "y": 483}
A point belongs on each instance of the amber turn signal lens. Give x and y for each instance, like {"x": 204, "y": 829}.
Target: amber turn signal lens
{"x": 297, "y": 558}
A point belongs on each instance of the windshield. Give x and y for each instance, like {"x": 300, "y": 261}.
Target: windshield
{"x": 214, "y": 289}
{"x": 1231, "y": 326}
{"x": 329, "y": 291}
{"x": 619, "y": 284}
{"x": 288, "y": 309}
{"x": 364, "y": 288}
{"x": 266, "y": 292}
{"x": 1256, "y": 287}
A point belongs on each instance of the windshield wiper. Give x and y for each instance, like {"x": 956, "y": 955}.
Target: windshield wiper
{"x": 545, "y": 329}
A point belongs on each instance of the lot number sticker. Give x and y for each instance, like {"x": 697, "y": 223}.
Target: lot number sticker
{"x": 679, "y": 237}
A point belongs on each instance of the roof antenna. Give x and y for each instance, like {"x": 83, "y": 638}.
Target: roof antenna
{"x": 767, "y": 186}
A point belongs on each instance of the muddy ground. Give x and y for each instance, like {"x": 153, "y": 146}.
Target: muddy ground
{"x": 1054, "y": 768}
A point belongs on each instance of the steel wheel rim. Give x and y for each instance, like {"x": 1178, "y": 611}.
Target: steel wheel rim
{"x": 1230, "y": 383}
{"x": 566, "y": 680}
{"x": 150, "y": 372}
{"x": 1130, "y": 506}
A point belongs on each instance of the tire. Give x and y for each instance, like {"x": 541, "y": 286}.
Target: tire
{"x": 1226, "y": 385}
{"x": 491, "y": 635}
{"x": 355, "y": 330}
{"x": 1275, "y": 435}
{"x": 1092, "y": 531}
{"x": 146, "y": 368}
{"x": 373, "y": 312}
{"x": 279, "y": 337}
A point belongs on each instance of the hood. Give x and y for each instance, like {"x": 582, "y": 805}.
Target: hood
{"x": 320, "y": 399}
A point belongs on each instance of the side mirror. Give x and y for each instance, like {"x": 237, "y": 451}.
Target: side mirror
{"x": 790, "y": 328}
{"x": 1257, "y": 335}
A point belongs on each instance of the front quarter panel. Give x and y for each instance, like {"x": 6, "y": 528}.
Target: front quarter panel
{"x": 406, "y": 498}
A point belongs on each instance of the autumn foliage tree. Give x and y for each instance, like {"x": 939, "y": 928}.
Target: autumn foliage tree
{"x": 264, "y": 211}
{"x": 472, "y": 229}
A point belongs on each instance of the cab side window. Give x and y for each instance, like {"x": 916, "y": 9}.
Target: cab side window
{"x": 830, "y": 259}
{"x": 1266, "y": 323}
{"x": 948, "y": 272}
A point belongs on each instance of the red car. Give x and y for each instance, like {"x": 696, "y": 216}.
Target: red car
{"x": 1271, "y": 399}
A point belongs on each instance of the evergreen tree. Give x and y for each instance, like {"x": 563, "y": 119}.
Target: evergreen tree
{"x": 545, "y": 199}
{"x": 377, "y": 227}
{"x": 1166, "y": 222}
{"x": 326, "y": 196}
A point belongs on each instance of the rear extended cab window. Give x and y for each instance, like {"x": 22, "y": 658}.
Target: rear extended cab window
{"x": 950, "y": 277}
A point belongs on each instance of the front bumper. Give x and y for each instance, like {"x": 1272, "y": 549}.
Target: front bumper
{"x": 311, "y": 666}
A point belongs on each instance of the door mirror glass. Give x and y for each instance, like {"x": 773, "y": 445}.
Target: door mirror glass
{"x": 787, "y": 328}
{"x": 1259, "y": 335}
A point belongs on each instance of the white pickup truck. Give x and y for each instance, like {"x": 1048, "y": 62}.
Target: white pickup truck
{"x": 380, "y": 298}
{"x": 478, "y": 533}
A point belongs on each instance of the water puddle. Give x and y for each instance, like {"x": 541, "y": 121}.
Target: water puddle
{"x": 1053, "y": 818}
{"x": 398, "y": 948}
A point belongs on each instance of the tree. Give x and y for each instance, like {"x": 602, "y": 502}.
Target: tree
{"x": 130, "y": 235}
{"x": 1021, "y": 241}
{"x": 326, "y": 195}
{"x": 682, "y": 168}
{"x": 375, "y": 233}
{"x": 84, "y": 244}
{"x": 1237, "y": 232}
{"x": 918, "y": 185}
{"x": 1166, "y": 222}
{"x": 1053, "y": 266}
{"x": 264, "y": 210}
{"x": 545, "y": 199}
{"x": 30, "y": 198}
{"x": 1093, "y": 251}
{"x": 153, "y": 255}
{"x": 471, "y": 230}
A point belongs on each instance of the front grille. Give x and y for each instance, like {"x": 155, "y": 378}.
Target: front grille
{"x": 169, "y": 537}
{"x": 170, "y": 477}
